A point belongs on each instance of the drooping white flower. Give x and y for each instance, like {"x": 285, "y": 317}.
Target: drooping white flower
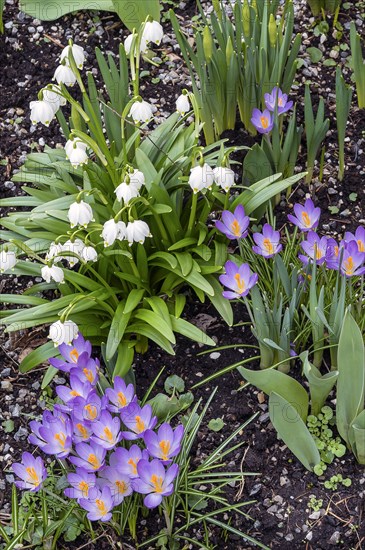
{"x": 153, "y": 32}
{"x": 78, "y": 157}
{"x": 41, "y": 111}
{"x": 72, "y": 144}
{"x": 113, "y": 230}
{"x": 137, "y": 178}
{"x": 64, "y": 75}
{"x": 80, "y": 213}
{"x": 130, "y": 187}
{"x": 76, "y": 247}
{"x": 137, "y": 231}
{"x": 52, "y": 95}
{"x": 224, "y": 177}
{"x": 89, "y": 254}
{"x": 63, "y": 333}
{"x": 78, "y": 55}
{"x": 55, "y": 251}
{"x": 141, "y": 111}
{"x": 182, "y": 104}
{"x": 201, "y": 177}
{"x": 54, "y": 272}
{"x": 7, "y": 260}
{"x": 143, "y": 48}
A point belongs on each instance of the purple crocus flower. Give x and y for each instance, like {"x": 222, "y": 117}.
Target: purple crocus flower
{"x": 82, "y": 430}
{"x": 234, "y": 225}
{"x": 267, "y": 243}
{"x": 239, "y": 279}
{"x": 277, "y": 97}
{"x": 359, "y": 237}
{"x": 90, "y": 408}
{"x": 138, "y": 420}
{"x": 306, "y": 217}
{"x": 120, "y": 396}
{"x": 87, "y": 369}
{"x": 164, "y": 444}
{"x": 126, "y": 460}
{"x": 352, "y": 260}
{"x": 77, "y": 389}
{"x": 333, "y": 254}
{"x": 119, "y": 484}
{"x": 154, "y": 481}
{"x": 106, "y": 431}
{"x": 91, "y": 456}
{"x": 31, "y": 471}
{"x": 315, "y": 247}
{"x": 57, "y": 437}
{"x": 48, "y": 419}
{"x": 81, "y": 482}
{"x": 262, "y": 121}
{"x": 71, "y": 353}
{"x": 99, "y": 504}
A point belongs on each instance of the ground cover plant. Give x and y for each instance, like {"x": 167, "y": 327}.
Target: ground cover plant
{"x": 183, "y": 250}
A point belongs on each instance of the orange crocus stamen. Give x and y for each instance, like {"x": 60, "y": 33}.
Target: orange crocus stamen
{"x": 157, "y": 483}
{"x": 61, "y": 438}
{"x": 361, "y": 245}
{"x": 306, "y": 219}
{"x": 82, "y": 430}
{"x": 140, "y": 425}
{"x": 74, "y": 393}
{"x": 101, "y": 506}
{"x": 121, "y": 486}
{"x": 74, "y": 355}
{"x": 240, "y": 283}
{"x": 269, "y": 247}
{"x": 94, "y": 461}
{"x": 264, "y": 122}
{"x": 108, "y": 434}
{"x": 32, "y": 476}
{"x": 88, "y": 374}
{"x": 92, "y": 411}
{"x": 122, "y": 399}
{"x": 165, "y": 449}
{"x": 133, "y": 463}
{"x": 235, "y": 228}
{"x": 349, "y": 265}
{"x": 84, "y": 487}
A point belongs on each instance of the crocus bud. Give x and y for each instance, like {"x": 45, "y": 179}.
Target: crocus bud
{"x": 224, "y": 177}
{"x": 80, "y": 213}
{"x": 77, "y": 53}
{"x": 272, "y": 31}
{"x": 63, "y": 333}
{"x": 7, "y": 260}
{"x": 54, "y": 273}
{"x": 153, "y": 32}
{"x": 137, "y": 231}
{"x": 182, "y": 104}
{"x": 41, "y": 111}
{"x": 64, "y": 75}
{"x": 141, "y": 111}
{"x": 246, "y": 18}
{"x": 207, "y": 44}
{"x": 201, "y": 177}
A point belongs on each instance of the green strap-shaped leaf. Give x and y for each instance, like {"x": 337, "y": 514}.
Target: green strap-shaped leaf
{"x": 190, "y": 331}
{"x": 134, "y": 298}
{"x": 117, "y": 328}
{"x": 157, "y": 322}
{"x": 351, "y": 376}
{"x": 358, "y": 437}
{"x": 293, "y": 431}
{"x": 319, "y": 385}
{"x": 271, "y": 380}
{"x": 124, "y": 359}
{"x": 38, "y": 356}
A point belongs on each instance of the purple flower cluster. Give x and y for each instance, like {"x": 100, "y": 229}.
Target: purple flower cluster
{"x": 263, "y": 121}
{"x": 93, "y": 432}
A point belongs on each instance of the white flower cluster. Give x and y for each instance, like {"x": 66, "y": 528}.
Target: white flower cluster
{"x": 58, "y": 252}
{"x": 130, "y": 187}
{"x": 135, "y": 231}
{"x": 203, "y": 177}
{"x": 152, "y": 32}
{"x": 44, "y": 110}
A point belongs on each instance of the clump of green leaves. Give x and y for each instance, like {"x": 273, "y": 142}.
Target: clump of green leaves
{"x": 337, "y": 480}
{"x": 329, "y": 446}
{"x": 315, "y": 504}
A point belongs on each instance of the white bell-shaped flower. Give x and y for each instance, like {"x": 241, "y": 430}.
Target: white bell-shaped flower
{"x": 54, "y": 273}
{"x": 143, "y": 48}
{"x": 55, "y": 252}
{"x": 137, "y": 178}
{"x": 41, "y": 111}
{"x": 80, "y": 213}
{"x": 76, "y": 247}
{"x": 78, "y": 55}
{"x": 153, "y": 32}
{"x": 89, "y": 254}
{"x": 78, "y": 157}
{"x": 137, "y": 231}
{"x": 72, "y": 144}
{"x": 64, "y": 75}
{"x": 7, "y": 260}
{"x": 52, "y": 95}
{"x": 224, "y": 177}
{"x": 126, "y": 191}
{"x": 182, "y": 104}
{"x": 63, "y": 333}
{"x": 141, "y": 111}
{"x": 113, "y": 230}
{"x": 201, "y": 177}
